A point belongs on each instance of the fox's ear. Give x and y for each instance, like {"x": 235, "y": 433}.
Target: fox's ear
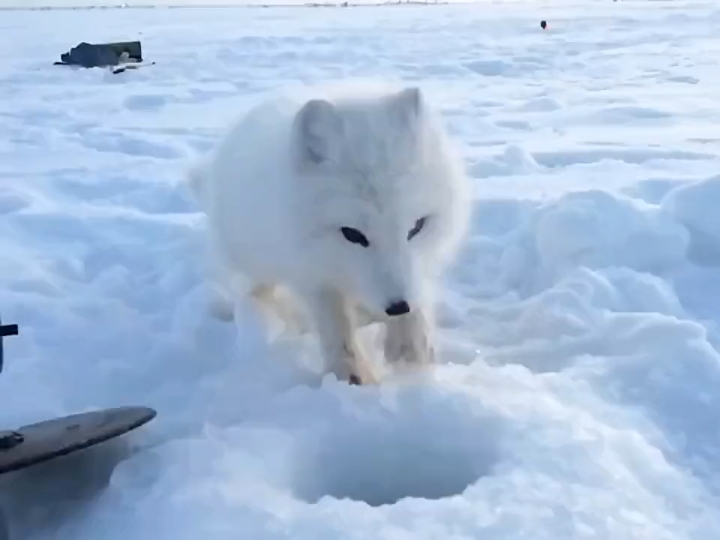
{"x": 408, "y": 104}
{"x": 318, "y": 125}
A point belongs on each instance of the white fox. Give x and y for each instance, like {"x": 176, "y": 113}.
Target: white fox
{"x": 340, "y": 206}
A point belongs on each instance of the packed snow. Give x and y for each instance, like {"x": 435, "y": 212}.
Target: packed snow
{"x": 577, "y": 394}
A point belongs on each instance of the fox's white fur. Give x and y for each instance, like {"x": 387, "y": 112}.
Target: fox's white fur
{"x": 300, "y": 167}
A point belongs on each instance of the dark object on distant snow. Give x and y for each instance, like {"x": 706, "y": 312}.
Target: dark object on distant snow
{"x": 543, "y": 25}
{"x": 50, "y": 439}
{"x": 90, "y": 55}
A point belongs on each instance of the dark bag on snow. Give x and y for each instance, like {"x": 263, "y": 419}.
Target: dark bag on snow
{"x": 102, "y": 54}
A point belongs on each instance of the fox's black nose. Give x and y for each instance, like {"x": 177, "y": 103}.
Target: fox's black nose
{"x": 398, "y": 308}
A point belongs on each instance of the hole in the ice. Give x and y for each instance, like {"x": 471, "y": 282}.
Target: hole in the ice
{"x": 382, "y": 466}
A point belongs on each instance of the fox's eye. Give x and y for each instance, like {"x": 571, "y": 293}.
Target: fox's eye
{"x": 419, "y": 224}
{"x": 354, "y": 236}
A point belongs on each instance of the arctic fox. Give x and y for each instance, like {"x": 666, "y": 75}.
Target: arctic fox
{"x": 346, "y": 201}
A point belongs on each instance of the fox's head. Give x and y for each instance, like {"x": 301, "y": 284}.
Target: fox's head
{"x": 387, "y": 194}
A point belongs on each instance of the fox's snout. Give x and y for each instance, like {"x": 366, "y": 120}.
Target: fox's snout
{"x": 398, "y": 307}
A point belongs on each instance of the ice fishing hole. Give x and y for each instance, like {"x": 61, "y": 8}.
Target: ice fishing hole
{"x": 380, "y": 465}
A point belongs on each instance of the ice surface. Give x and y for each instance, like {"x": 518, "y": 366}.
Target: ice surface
{"x": 578, "y": 395}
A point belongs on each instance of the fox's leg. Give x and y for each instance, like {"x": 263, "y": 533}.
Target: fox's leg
{"x": 409, "y": 338}
{"x": 219, "y": 305}
{"x": 220, "y": 291}
{"x": 336, "y": 329}
{"x": 271, "y": 298}
{"x": 263, "y": 295}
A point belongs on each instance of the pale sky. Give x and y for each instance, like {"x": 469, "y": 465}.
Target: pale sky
{"x": 66, "y": 3}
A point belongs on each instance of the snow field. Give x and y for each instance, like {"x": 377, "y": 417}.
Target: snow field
{"x": 577, "y": 396}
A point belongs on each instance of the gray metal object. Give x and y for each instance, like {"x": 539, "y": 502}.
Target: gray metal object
{"x": 10, "y": 439}
{"x": 46, "y": 440}
{"x": 6, "y": 330}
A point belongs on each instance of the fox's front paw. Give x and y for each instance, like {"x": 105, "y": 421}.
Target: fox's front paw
{"x": 420, "y": 350}
{"x": 408, "y": 340}
{"x": 355, "y": 368}
{"x": 358, "y": 380}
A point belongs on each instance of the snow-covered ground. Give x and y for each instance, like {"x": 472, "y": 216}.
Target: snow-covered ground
{"x": 578, "y": 395}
